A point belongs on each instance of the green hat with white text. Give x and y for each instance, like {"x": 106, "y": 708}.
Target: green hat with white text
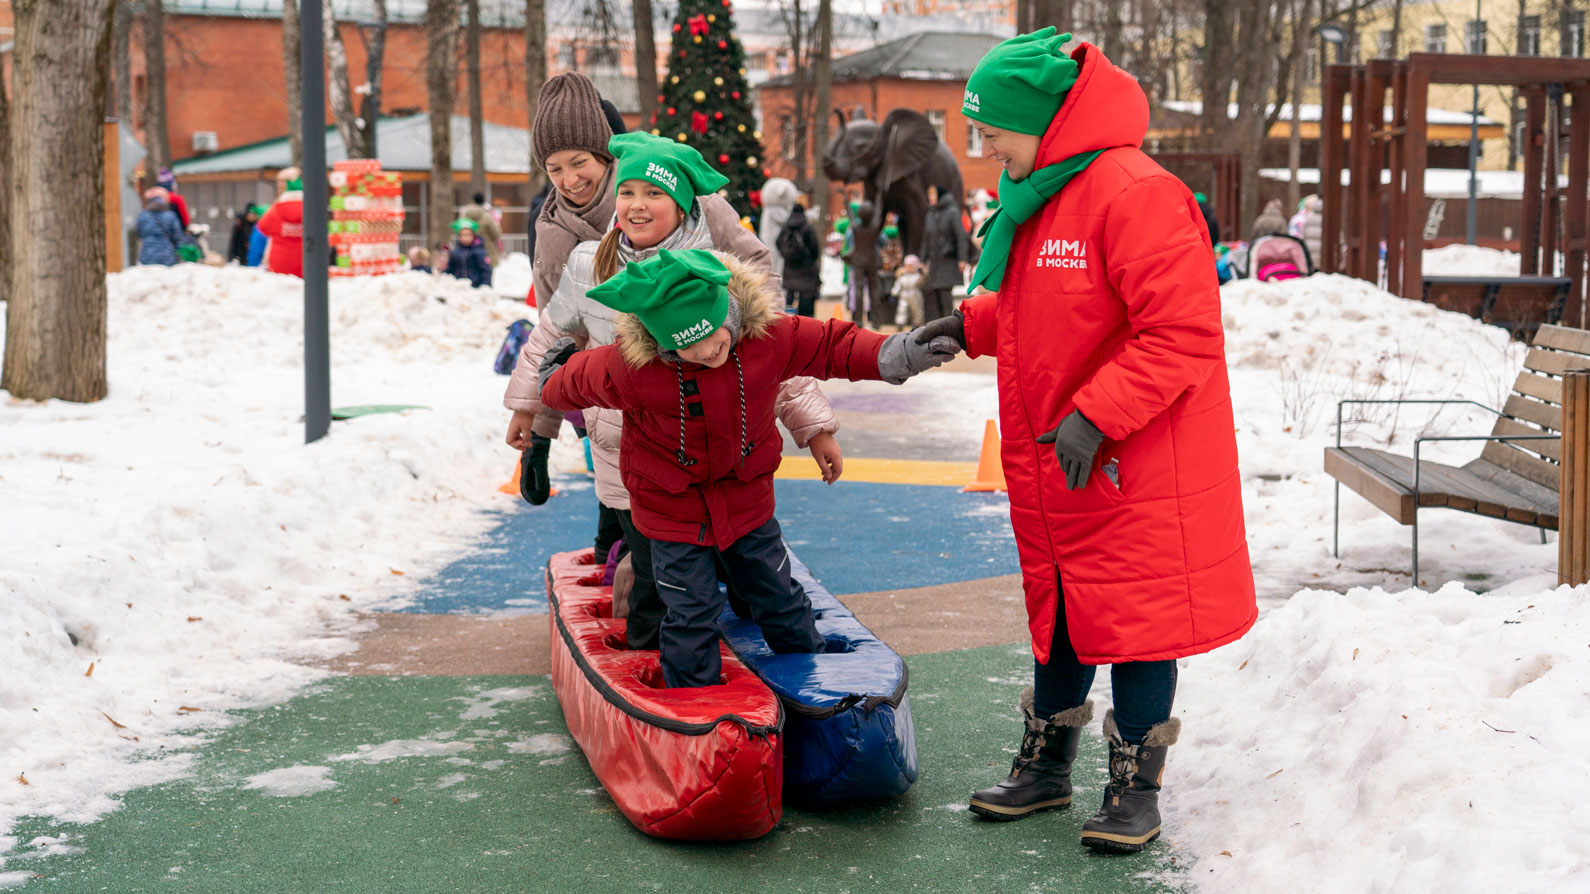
{"x": 681, "y": 297}
{"x": 1021, "y": 83}
{"x": 678, "y": 169}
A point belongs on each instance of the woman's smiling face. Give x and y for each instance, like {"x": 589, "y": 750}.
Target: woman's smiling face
{"x": 1017, "y": 152}
{"x": 575, "y": 174}
{"x": 646, "y": 213}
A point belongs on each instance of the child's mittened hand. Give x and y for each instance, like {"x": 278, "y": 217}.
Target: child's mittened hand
{"x": 555, "y": 357}
{"x": 830, "y": 459}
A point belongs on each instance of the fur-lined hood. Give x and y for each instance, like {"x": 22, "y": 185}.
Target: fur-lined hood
{"x": 750, "y": 315}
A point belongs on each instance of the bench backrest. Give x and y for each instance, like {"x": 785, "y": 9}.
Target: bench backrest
{"x": 1517, "y": 303}
{"x": 1535, "y": 406}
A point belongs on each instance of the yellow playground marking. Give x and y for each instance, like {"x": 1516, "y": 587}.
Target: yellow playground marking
{"x": 884, "y": 471}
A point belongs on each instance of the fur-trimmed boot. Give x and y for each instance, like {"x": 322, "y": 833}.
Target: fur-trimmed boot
{"x": 1040, "y": 776}
{"x": 1129, "y": 818}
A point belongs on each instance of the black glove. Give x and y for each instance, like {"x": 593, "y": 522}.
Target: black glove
{"x": 1075, "y": 442}
{"x": 556, "y": 356}
{"x": 953, "y": 326}
{"x": 534, "y": 483}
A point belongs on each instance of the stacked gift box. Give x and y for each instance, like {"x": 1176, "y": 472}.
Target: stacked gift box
{"x": 366, "y": 218}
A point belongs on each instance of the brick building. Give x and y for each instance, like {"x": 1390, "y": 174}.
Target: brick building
{"x": 925, "y": 71}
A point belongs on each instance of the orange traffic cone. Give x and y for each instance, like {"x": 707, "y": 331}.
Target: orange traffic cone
{"x": 990, "y": 475}
{"x": 839, "y": 312}
{"x": 512, "y": 487}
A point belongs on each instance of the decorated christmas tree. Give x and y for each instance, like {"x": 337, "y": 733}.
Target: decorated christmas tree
{"x": 705, "y": 102}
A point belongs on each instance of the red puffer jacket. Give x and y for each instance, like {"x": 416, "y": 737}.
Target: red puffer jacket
{"x": 284, "y": 223}
{"x": 715, "y": 495}
{"x": 1110, "y": 305}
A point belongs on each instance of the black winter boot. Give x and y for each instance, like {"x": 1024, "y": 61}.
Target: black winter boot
{"x": 1040, "y": 776}
{"x": 1129, "y": 818}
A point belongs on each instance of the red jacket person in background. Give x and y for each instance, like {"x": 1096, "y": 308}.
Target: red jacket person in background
{"x": 1115, "y": 421}
{"x": 284, "y": 224}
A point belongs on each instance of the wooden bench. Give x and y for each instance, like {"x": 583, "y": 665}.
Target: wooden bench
{"x": 1519, "y": 304}
{"x": 1517, "y": 476}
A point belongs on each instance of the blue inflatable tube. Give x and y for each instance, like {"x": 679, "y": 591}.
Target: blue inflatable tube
{"x": 848, "y": 736}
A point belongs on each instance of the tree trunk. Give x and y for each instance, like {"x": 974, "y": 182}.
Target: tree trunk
{"x": 1396, "y": 29}
{"x": 1255, "y": 74}
{"x": 121, "y": 58}
{"x": 292, "y": 27}
{"x": 441, "y": 75}
{"x": 374, "y": 65}
{"x": 157, "y": 140}
{"x": 339, "y": 94}
{"x": 1294, "y": 143}
{"x": 1216, "y": 75}
{"x": 645, "y": 60}
{"x": 5, "y": 182}
{"x": 820, "y": 115}
{"x": 535, "y": 73}
{"x": 477, "y": 122}
{"x": 55, "y": 318}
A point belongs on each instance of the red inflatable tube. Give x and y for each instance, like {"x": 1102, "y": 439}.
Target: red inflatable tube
{"x": 688, "y": 764}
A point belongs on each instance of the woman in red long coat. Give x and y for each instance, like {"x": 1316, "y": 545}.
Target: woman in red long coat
{"x": 1115, "y": 421}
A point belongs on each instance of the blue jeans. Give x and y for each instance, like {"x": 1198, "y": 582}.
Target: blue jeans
{"x": 1143, "y": 690}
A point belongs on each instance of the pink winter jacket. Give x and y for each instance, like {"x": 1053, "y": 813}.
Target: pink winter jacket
{"x": 800, "y": 404}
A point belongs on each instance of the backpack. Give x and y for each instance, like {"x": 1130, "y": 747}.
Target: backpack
{"x": 792, "y": 247}
{"x": 508, "y": 354}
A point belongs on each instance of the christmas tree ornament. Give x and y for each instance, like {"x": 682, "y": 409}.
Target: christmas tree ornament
{"x": 717, "y": 82}
{"x": 740, "y": 129}
{"x": 655, "y": 132}
{"x": 717, "y": 116}
{"x": 750, "y": 162}
{"x": 675, "y": 78}
{"x": 698, "y": 123}
{"x": 742, "y": 72}
{"x": 723, "y": 45}
{"x": 698, "y": 24}
{"x": 697, "y": 38}
{"x": 757, "y": 136}
{"x": 676, "y": 27}
{"x": 682, "y": 138}
{"x": 712, "y": 18}
{"x": 723, "y": 159}
{"x": 671, "y": 111}
{"x": 735, "y": 94}
{"x": 699, "y": 96}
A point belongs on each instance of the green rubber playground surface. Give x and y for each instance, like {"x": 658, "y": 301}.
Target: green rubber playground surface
{"x": 472, "y": 784}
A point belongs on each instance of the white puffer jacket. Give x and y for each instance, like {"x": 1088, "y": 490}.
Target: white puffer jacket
{"x": 800, "y": 405}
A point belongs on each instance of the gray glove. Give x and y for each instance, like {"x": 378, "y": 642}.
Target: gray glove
{"x": 953, "y": 326}
{"x": 1075, "y": 441}
{"x": 903, "y": 356}
{"x": 555, "y": 357}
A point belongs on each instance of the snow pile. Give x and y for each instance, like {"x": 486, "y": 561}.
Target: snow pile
{"x": 175, "y": 551}
{"x": 1390, "y": 742}
{"x": 512, "y": 276}
{"x": 1469, "y": 260}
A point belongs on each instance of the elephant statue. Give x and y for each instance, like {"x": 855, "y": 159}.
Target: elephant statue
{"x": 895, "y": 161}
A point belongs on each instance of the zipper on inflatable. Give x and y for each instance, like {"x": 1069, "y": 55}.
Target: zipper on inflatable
{"x": 868, "y": 703}
{"x": 612, "y": 696}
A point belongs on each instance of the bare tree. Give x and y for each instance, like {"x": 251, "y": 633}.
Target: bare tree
{"x": 157, "y": 139}
{"x": 55, "y": 318}
{"x": 441, "y": 75}
{"x": 535, "y": 72}
{"x": 121, "y": 58}
{"x": 1294, "y": 145}
{"x": 5, "y": 179}
{"x": 645, "y": 59}
{"x": 374, "y": 65}
{"x": 477, "y": 120}
{"x": 339, "y": 94}
{"x": 823, "y": 88}
{"x": 292, "y": 29}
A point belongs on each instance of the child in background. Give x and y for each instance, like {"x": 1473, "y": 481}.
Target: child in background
{"x": 420, "y": 259}
{"x": 908, "y": 293}
{"x": 696, "y": 369}
{"x": 467, "y": 258}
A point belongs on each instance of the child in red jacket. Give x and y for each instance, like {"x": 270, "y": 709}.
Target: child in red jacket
{"x": 695, "y": 370}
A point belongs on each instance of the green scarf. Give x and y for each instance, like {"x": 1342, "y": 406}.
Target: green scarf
{"x": 1019, "y": 200}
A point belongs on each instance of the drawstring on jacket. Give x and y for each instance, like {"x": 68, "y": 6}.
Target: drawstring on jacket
{"x": 745, "y": 444}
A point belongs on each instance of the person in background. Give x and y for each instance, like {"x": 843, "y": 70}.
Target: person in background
{"x": 242, "y": 233}
{"x": 467, "y": 259}
{"x": 891, "y": 254}
{"x": 159, "y": 232}
{"x": 487, "y": 231}
{"x": 1271, "y": 221}
{"x": 778, "y": 202}
{"x": 1308, "y": 224}
{"x": 908, "y": 293}
{"x": 797, "y": 246}
{"x": 284, "y": 224}
{"x": 168, "y": 182}
{"x": 259, "y": 243}
{"x": 948, "y": 249}
{"x": 420, "y": 259}
{"x": 1210, "y": 221}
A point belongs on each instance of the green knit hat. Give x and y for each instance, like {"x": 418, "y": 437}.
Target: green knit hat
{"x": 1020, "y": 84}
{"x": 678, "y": 169}
{"x": 681, "y": 297}
{"x": 464, "y": 223}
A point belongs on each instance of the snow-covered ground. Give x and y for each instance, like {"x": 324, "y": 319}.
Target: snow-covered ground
{"x": 1357, "y": 740}
{"x": 1469, "y": 260}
